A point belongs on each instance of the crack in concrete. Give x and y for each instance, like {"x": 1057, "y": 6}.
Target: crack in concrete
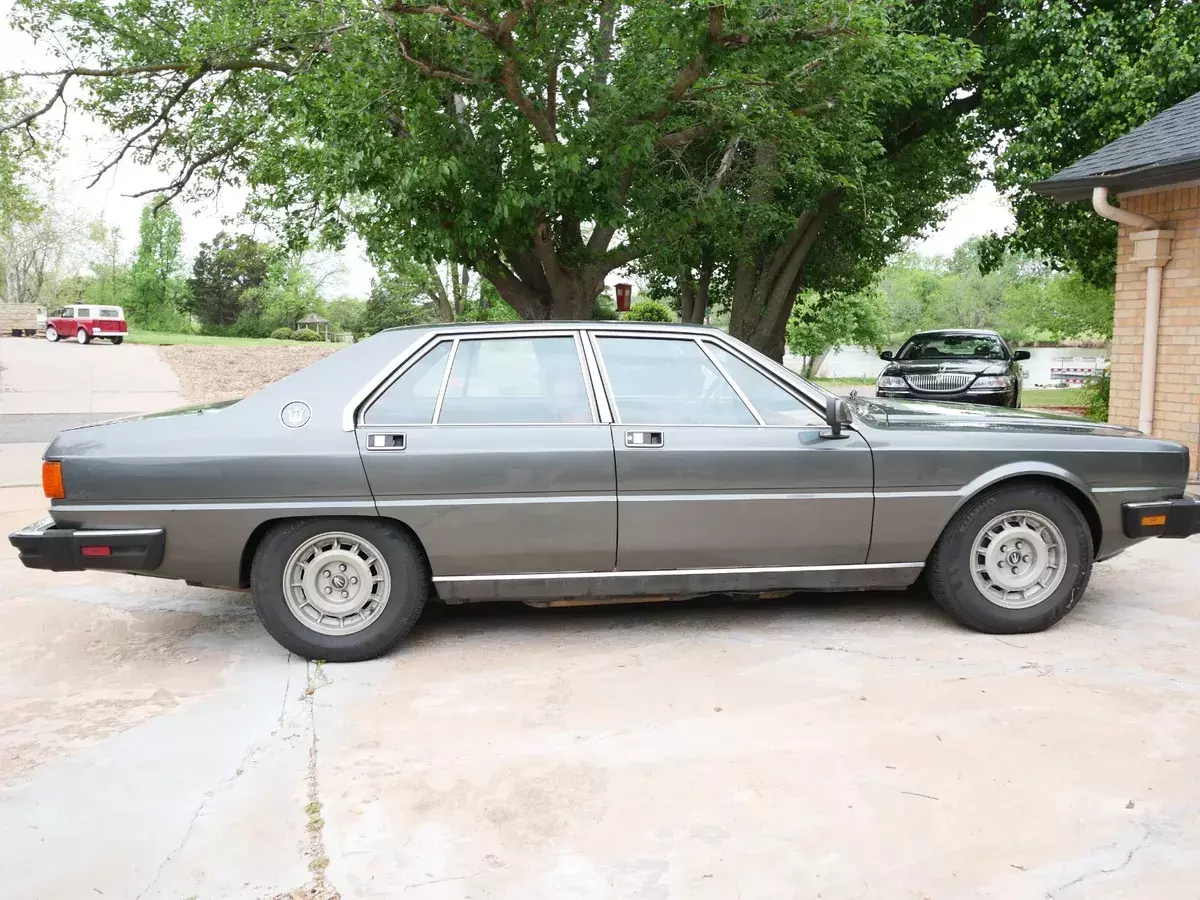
{"x": 317, "y": 888}
{"x": 1096, "y": 873}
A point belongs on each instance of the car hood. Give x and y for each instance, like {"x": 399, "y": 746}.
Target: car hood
{"x": 888, "y": 413}
{"x": 933, "y": 366}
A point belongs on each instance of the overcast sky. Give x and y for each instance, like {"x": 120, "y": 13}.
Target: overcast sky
{"x": 87, "y": 144}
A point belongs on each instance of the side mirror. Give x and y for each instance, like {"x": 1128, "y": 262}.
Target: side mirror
{"x": 887, "y": 354}
{"x": 1020, "y": 355}
{"x": 837, "y": 414}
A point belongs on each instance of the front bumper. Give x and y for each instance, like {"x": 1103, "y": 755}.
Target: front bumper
{"x": 1161, "y": 518}
{"x": 44, "y": 546}
{"x": 987, "y": 398}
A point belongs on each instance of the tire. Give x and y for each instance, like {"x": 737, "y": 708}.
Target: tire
{"x": 394, "y": 557}
{"x": 1013, "y": 514}
{"x": 52, "y": 334}
{"x": 116, "y": 340}
{"x": 82, "y": 336}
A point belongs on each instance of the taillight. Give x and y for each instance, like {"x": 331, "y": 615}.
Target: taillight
{"x": 52, "y": 480}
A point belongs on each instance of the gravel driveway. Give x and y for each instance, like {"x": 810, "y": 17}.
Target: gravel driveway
{"x": 209, "y": 374}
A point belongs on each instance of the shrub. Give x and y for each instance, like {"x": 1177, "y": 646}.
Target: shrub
{"x": 1095, "y": 396}
{"x": 282, "y": 334}
{"x": 306, "y": 335}
{"x": 649, "y": 311}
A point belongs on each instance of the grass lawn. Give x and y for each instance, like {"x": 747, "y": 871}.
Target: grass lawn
{"x": 1033, "y": 398}
{"x": 842, "y": 382}
{"x": 160, "y": 339}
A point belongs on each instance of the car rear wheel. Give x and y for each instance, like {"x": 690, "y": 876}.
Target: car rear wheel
{"x": 117, "y": 340}
{"x": 1014, "y": 560}
{"x": 82, "y": 336}
{"x": 341, "y": 590}
{"x": 52, "y": 334}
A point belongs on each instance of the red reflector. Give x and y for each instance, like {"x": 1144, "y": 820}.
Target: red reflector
{"x": 99, "y": 550}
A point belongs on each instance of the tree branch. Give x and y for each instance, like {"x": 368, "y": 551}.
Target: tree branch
{"x": 600, "y": 237}
{"x": 58, "y": 95}
{"x": 431, "y": 70}
{"x": 681, "y": 138}
{"x": 175, "y": 188}
{"x": 485, "y": 28}
{"x": 510, "y": 77}
{"x": 724, "y": 167}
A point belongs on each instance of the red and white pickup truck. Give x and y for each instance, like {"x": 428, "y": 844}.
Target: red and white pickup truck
{"x": 84, "y": 322}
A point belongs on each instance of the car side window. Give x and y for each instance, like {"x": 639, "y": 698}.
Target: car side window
{"x": 83, "y": 313}
{"x": 411, "y": 398}
{"x": 516, "y": 381}
{"x": 659, "y": 381}
{"x": 775, "y": 405}
{"x": 65, "y": 313}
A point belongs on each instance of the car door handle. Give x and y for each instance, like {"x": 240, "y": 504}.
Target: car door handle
{"x": 386, "y": 442}
{"x": 643, "y": 439}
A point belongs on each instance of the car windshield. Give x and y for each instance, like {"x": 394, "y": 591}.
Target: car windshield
{"x": 952, "y": 346}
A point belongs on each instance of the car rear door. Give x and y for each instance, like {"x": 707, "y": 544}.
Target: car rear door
{"x": 489, "y": 447}
{"x": 719, "y": 466}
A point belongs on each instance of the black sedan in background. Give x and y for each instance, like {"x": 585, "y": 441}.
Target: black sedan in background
{"x": 960, "y": 366}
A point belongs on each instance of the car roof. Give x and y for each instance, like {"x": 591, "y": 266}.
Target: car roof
{"x": 559, "y": 325}
{"x": 964, "y": 332}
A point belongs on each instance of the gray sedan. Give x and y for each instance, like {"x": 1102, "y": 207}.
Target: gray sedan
{"x": 593, "y": 462}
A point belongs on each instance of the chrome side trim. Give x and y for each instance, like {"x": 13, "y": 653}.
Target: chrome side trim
{"x": 588, "y": 387}
{"x": 649, "y": 573}
{"x": 119, "y": 532}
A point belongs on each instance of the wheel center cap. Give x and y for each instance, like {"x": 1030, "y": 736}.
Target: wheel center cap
{"x": 1013, "y": 558}
{"x": 339, "y": 582}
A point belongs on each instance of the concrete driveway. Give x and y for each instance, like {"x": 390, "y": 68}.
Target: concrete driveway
{"x": 46, "y": 387}
{"x": 39, "y": 378}
{"x": 155, "y": 743}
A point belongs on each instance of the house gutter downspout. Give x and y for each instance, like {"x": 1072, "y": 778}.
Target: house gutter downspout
{"x": 1152, "y": 249}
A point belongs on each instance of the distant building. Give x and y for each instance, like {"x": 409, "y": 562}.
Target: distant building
{"x": 1155, "y": 171}
{"x": 313, "y": 322}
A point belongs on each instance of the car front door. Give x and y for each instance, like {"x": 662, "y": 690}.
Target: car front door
{"x": 721, "y": 467}
{"x": 491, "y": 450}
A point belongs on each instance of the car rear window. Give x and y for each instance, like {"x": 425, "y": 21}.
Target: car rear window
{"x": 110, "y": 313}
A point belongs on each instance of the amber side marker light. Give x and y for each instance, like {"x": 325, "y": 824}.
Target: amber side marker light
{"x": 1153, "y": 521}
{"x": 52, "y": 483}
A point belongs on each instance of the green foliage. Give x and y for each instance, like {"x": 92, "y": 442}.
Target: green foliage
{"x": 394, "y": 301}
{"x": 1096, "y": 397}
{"x": 1020, "y": 296}
{"x": 225, "y": 287}
{"x": 304, "y": 334}
{"x": 1066, "y": 79}
{"x": 282, "y": 334}
{"x": 343, "y": 313}
{"x": 19, "y": 154}
{"x": 819, "y": 325}
{"x": 156, "y": 292}
{"x": 605, "y": 309}
{"x": 649, "y": 311}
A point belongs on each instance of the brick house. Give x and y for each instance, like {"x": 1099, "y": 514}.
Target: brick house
{"x": 1155, "y": 171}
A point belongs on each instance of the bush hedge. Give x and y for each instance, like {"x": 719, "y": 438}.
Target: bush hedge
{"x": 282, "y": 334}
{"x": 303, "y": 334}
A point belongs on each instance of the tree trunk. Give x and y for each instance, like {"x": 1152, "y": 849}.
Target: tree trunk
{"x": 767, "y": 283}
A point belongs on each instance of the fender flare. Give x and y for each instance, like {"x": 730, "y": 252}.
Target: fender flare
{"x": 1078, "y": 489}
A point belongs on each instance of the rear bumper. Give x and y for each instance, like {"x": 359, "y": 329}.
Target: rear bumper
{"x": 44, "y": 546}
{"x": 1161, "y": 518}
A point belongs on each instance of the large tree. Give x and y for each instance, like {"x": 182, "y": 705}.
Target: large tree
{"x": 524, "y": 139}
{"x": 155, "y": 283}
{"x": 228, "y": 274}
{"x": 1069, "y": 77}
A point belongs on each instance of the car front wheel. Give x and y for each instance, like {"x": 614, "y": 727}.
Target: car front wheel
{"x": 82, "y": 336}
{"x": 52, "y": 334}
{"x": 1014, "y": 560}
{"x": 340, "y": 590}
